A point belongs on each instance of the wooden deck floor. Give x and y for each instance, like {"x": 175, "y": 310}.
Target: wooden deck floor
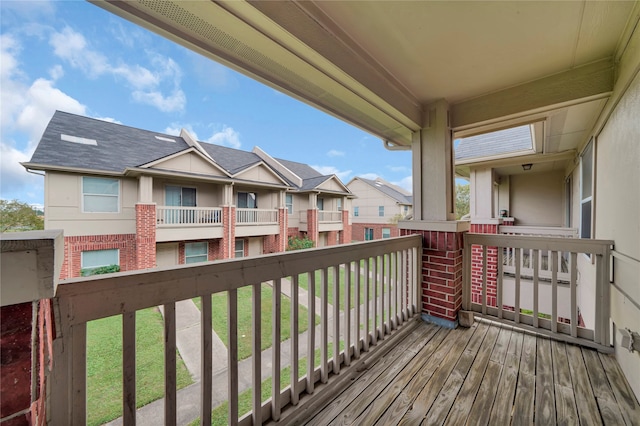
{"x": 487, "y": 374}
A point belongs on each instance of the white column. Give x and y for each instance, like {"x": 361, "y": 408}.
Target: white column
{"x": 482, "y": 193}
{"x": 227, "y": 195}
{"x": 145, "y": 189}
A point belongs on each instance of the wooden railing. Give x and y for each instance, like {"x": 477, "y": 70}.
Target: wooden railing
{"x": 329, "y": 216}
{"x": 256, "y": 216}
{"x": 374, "y": 288}
{"x": 167, "y": 216}
{"x": 519, "y": 299}
{"x": 544, "y": 260}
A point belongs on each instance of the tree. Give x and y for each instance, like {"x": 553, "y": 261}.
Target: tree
{"x": 17, "y": 216}
{"x": 462, "y": 200}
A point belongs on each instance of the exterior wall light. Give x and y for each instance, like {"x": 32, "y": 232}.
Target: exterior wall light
{"x": 527, "y": 166}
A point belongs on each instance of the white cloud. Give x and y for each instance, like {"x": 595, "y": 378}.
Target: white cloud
{"x": 158, "y": 86}
{"x": 331, "y": 170}
{"x": 56, "y": 72}
{"x": 398, "y": 169}
{"x": 335, "y": 153}
{"x": 175, "y": 129}
{"x": 370, "y": 176}
{"x": 227, "y": 137}
{"x": 15, "y": 182}
{"x": 405, "y": 183}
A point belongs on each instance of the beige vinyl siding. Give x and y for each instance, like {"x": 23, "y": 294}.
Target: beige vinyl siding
{"x": 537, "y": 198}
{"x": 260, "y": 174}
{"x": 369, "y": 201}
{"x": 190, "y": 163}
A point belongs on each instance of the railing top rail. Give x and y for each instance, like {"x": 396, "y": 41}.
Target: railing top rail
{"x": 188, "y": 208}
{"x": 89, "y": 298}
{"x": 588, "y": 246}
{"x": 544, "y": 230}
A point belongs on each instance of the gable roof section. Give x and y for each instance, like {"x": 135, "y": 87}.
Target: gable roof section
{"x": 388, "y": 189}
{"x": 117, "y": 147}
{"x": 196, "y": 162}
{"x": 261, "y": 172}
{"x": 507, "y": 141}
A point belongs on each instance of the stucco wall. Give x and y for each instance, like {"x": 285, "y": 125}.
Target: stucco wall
{"x": 63, "y": 207}
{"x": 536, "y": 199}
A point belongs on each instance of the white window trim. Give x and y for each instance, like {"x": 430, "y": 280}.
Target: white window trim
{"x": 82, "y": 266}
{"x": 589, "y": 198}
{"x": 289, "y": 211}
{"x": 82, "y": 194}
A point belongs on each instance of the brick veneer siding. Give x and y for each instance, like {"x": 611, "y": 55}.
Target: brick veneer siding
{"x": 357, "y": 230}
{"x": 477, "y": 266}
{"x": 312, "y": 225}
{"x": 277, "y": 243}
{"x": 441, "y": 273}
{"x": 74, "y": 246}
{"x": 346, "y": 235}
{"x": 332, "y": 238}
{"x": 228, "y": 231}
{"x": 146, "y": 235}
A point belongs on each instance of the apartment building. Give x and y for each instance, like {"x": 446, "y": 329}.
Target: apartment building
{"x": 378, "y": 207}
{"x": 140, "y": 199}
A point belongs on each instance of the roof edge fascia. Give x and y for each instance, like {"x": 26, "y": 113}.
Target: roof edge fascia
{"x": 46, "y": 167}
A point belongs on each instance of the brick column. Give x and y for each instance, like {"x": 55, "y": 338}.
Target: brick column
{"x": 282, "y": 238}
{"x": 145, "y": 235}
{"x": 345, "y": 235}
{"x": 489, "y": 226}
{"x": 312, "y": 225}
{"x": 442, "y": 247}
{"x": 228, "y": 231}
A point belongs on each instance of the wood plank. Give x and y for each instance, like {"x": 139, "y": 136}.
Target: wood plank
{"x": 622, "y": 391}
{"x": 597, "y": 375}
{"x": 528, "y": 361}
{"x": 476, "y": 340}
{"x": 610, "y": 412}
{"x": 79, "y": 374}
{"x": 561, "y": 372}
{"x": 545, "y": 407}
{"x": 386, "y": 398}
{"x": 170, "y": 364}
{"x": 566, "y": 412}
{"x": 335, "y": 407}
{"x": 481, "y": 409}
{"x": 464, "y": 401}
{"x": 129, "y": 368}
{"x": 424, "y": 400}
{"x": 501, "y": 410}
{"x": 585, "y": 401}
{"x": 447, "y": 348}
{"x": 502, "y": 344}
{"x": 523, "y": 403}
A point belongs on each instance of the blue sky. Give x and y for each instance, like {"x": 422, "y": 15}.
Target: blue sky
{"x": 74, "y": 56}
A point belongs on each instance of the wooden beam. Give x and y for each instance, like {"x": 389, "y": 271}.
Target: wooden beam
{"x": 596, "y": 79}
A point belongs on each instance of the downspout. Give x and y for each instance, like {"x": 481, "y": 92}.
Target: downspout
{"x": 391, "y": 146}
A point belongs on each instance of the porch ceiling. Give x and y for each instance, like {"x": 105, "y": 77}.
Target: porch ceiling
{"x": 379, "y": 64}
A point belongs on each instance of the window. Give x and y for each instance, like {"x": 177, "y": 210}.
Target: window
{"x": 179, "y": 196}
{"x": 98, "y": 258}
{"x": 239, "y": 252}
{"x": 100, "y": 195}
{"x": 386, "y": 232}
{"x": 289, "y": 203}
{"x": 405, "y": 209}
{"x": 380, "y": 211}
{"x": 356, "y": 211}
{"x": 586, "y": 190}
{"x": 247, "y": 200}
{"x": 568, "y": 199}
{"x": 339, "y": 204}
{"x": 320, "y": 203}
{"x": 368, "y": 234}
{"x": 196, "y": 252}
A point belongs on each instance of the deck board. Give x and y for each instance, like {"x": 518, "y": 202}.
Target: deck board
{"x": 487, "y": 374}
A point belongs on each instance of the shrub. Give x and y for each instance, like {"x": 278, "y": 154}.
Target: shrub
{"x": 297, "y": 243}
{"x": 99, "y": 271}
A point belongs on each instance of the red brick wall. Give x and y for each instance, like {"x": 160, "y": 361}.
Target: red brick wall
{"x": 146, "y": 235}
{"x": 277, "y": 243}
{"x": 332, "y": 238}
{"x": 74, "y": 246}
{"x": 477, "y": 266}
{"x": 346, "y": 235}
{"x": 441, "y": 272}
{"x": 228, "y": 231}
{"x": 357, "y": 230}
{"x": 312, "y": 225}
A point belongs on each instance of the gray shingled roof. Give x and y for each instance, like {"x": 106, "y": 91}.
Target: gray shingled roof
{"x": 495, "y": 143}
{"x": 386, "y": 188}
{"x": 232, "y": 160}
{"x": 118, "y": 146}
{"x": 311, "y": 178}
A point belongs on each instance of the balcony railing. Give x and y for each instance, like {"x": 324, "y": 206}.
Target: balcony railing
{"x": 520, "y": 298}
{"x": 329, "y": 216}
{"x": 543, "y": 256}
{"x": 169, "y": 216}
{"x": 374, "y": 288}
{"x": 256, "y": 216}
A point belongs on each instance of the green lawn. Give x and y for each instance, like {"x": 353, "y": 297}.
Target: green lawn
{"x": 104, "y": 365}
{"x": 219, "y": 318}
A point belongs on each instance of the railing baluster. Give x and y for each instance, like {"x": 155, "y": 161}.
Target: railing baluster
{"x": 357, "y": 301}
{"x": 170, "y": 363}
{"x": 336, "y": 319}
{"x": 129, "y": 368}
{"x": 295, "y": 309}
{"x": 347, "y": 314}
{"x": 517, "y": 289}
{"x": 484, "y": 279}
{"x": 276, "y": 321}
{"x": 404, "y": 271}
{"x": 380, "y": 278}
{"x": 554, "y": 292}
{"x": 399, "y": 280}
{"x": 387, "y": 281}
{"x": 393, "y": 274}
{"x": 499, "y": 281}
{"x": 79, "y": 374}
{"x": 206, "y": 361}
{"x": 232, "y": 387}
{"x": 256, "y": 354}
{"x": 311, "y": 334}
{"x": 573, "y": 286}
{"x": 374, "y": 298}
{"x": 366, "y": 303}
{"x": 535, "y": 287}
{"x": 324, "y": 320}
